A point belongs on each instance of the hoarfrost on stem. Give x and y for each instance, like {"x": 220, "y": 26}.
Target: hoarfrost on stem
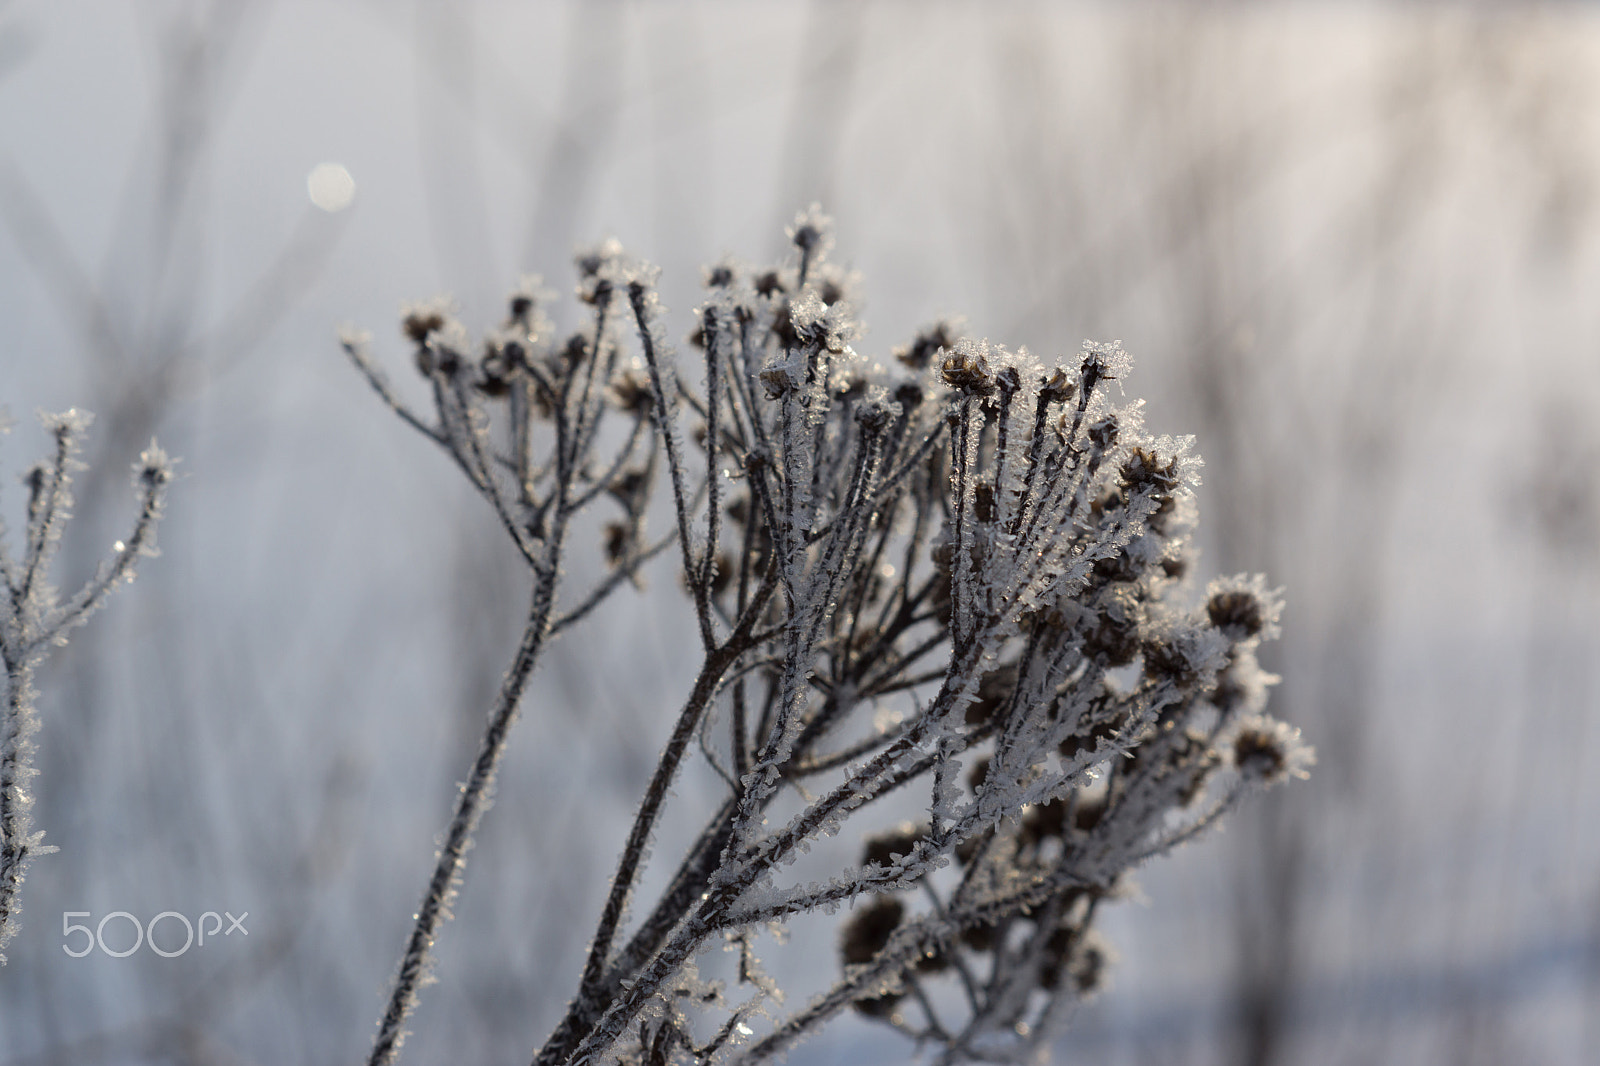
{"x": 35, "y": 617}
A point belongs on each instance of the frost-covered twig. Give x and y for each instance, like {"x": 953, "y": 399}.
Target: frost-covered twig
{"x": 34, "y": 618}
{"x": 491, "y": 415}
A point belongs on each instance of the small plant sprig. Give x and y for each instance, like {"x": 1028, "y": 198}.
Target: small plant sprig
{"x": 525, "y": 418}
{"x": 35, "y": 617}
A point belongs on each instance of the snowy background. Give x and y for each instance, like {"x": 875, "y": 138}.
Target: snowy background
{"x": 1350, "y": 247}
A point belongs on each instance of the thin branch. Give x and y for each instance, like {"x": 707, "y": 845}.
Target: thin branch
{"x": 656, "y": 359}
{"x": 705, "y": 686}
{"x": 355, "y": 346}
{"x": 470, "y": 802}
{"x": 625, "y": 571}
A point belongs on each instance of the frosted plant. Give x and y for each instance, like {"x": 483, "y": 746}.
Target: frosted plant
{"x": 964, "y": 577}
{"x": 33, "y": 617}
{"x": 523, "y": 419}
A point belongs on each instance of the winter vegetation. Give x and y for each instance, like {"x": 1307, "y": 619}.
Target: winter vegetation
{"x": 35, "y": 618}
{"x": 965, "y": 576}
{"x": 1352, "y": 248}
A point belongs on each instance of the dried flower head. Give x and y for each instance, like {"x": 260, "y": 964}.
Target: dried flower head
{"x": 885, "y": 847}
{"x": 420, "y": 321}
{"x": 966, "y": 368}
{"x": 943, "y": 334}
{"x": 723, "y": 275}
{"x": 630, "y": 391}
{"x": 1243, "y": 607}
{"x": 1267, "y": 751}
{"x": 524, "y": 304}
{"x": 869, "y": 929}
{"x": 812, "y": 232}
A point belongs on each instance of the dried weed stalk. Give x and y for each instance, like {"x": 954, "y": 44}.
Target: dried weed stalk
{"x": 33, "y": 617}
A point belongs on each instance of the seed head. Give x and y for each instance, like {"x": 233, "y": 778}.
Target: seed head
{"x": 966, "y": 369}
{"x": 770, "y": 282}
{"x": 1145, "y": 469}
{"x": 869, "y": 930}
{"x": 617, "y": 539}
{"x": 875, "y": 413}
{"x": 1242, "y": 607}
{"x": 523, "y": 306}
{"x": 1103, "y": 434}
{"x": 630, "y": 391}
{"x": 1267, "y": 751}
{"x": 422, "y": 320}
{"x": 1059, "y": 387}
{"x": 943, "y": 334}
{"x": 1236, "y": 613}
{"x": 814, "y": 322}
{"x": 812, "y": 231}
{"x": 900, "y": 840}
{"x": 1184, "y": 654}
{"x": 494, "y": 368}
{"x": 834, "y": 284}
{"x": 154, "y": 468}
{"x": 1114, "y": 638}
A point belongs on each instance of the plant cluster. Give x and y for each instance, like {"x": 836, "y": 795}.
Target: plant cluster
{"x": 962, "y": 574}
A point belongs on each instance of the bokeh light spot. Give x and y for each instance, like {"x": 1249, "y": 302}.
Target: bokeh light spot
{"x": 331, "y": 187}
